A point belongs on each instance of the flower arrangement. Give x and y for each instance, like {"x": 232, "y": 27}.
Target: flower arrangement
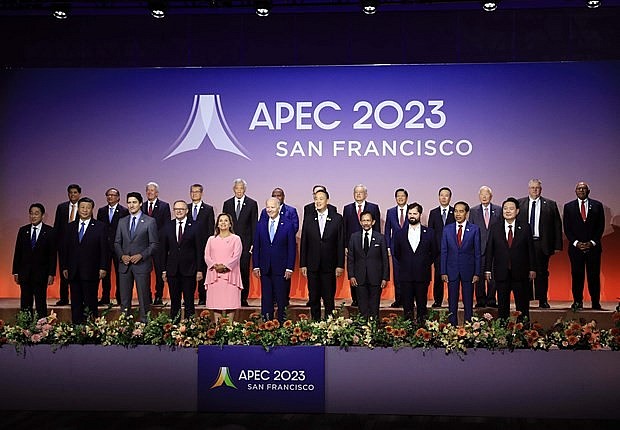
{"x": 337, "y": 330}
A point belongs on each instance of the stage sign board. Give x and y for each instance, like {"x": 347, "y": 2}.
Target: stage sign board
{"x": 250, "y": 379}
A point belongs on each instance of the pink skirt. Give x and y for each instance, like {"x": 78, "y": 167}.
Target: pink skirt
{"x": 223, "y": 295}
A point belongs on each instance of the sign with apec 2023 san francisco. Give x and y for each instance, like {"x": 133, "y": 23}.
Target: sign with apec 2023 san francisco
{"x": 414, "y": 126}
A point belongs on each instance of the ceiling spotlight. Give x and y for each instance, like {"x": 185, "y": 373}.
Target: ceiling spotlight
{"x": 60, "y": 10}
{"x": 263, "y": 7}
{"x": 369, "y": 6}
{"x": 489, "y": 6}
{"x": 593, "y": 4}
{"x": 158, "y": 9}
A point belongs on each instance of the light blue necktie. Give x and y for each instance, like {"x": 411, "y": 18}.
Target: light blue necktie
{"x": 111, "y": 214}
{"x": 271, "y": 230}
{"x": 81, "y": 233}
{"x": 132, "y": 230}
{"x": 444, "y": 216}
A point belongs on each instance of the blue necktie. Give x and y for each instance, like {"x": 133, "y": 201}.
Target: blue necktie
{"x": 111, "y": 215}
{"x": 271, "y": 230}
{"x": 81, "y": 233}
{"x": 33, "y": 238}
{"x": 533, "y": 217}
{"x": 195, "y": 215}
{"x": 132, "y": 230}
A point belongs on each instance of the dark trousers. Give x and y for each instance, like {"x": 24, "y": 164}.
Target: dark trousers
{"x": 83, "y": 300}
{"x": 202, "y": 292}
{"x": 106, "y": 283}
{"x": 244, "y": 266}
{"x": 522, "y": 299}
{"x": 353, "y": 294}
{"x": 414, "y": 291}
{"x": 64, "y": 287}
{"x": 369, "y": 300}
{"x": 580, "y": 263}
{"x": 36, "y": 289}
{"x": 486, "y": 291}
{"x": 321, "y": 286}
{"x": 437, "y": 282}
{"x": 158, "y": 265}
{"x": 273, "y": 288}
{"x": 466, "y": 287}
{"x": 541, "y": 283}
{"x": 397, "y": 284}
{"x": 181, "y": 286}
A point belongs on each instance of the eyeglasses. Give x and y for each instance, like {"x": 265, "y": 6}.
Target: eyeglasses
{"x": 180, "y": 209}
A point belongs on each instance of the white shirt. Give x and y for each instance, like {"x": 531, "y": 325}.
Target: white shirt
{"x": 464, "y": 224}
{"x": 322, "y": 217}
{"x": 86, "y": 224}
{"x": 38, "y": 228}
{"x": 536, "y": 215}
{"x": 413, "y": 234}
{"x": 506, "y": 229}
{"x": 369, "y": 237}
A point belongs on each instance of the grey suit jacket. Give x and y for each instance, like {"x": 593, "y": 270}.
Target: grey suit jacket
{"x": 144, "y": 242}
{"x": 476, "y": 216}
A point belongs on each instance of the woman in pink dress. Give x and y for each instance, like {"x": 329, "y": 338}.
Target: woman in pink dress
{"x": 223, "y": 279}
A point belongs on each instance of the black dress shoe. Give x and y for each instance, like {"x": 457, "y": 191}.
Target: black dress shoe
{"x": 480, "y": 305}
{"x": 308, "y": 303}
{"x": 202, "y": 303}
{"x": 245, "y": 303}
{"x": 103, "y": 302}
{"x": 576, "y": 306}
{"x": 596, "y": 307}
{"x": 354, "y": 303}
{"x": 396, "y": 304}
{"x": 544, "y": 305}
{"x": 62, "y": 303}
{"x": 492, "y": 305}
{"x": 436, "y": 304}
{"x": 158, "y": 301}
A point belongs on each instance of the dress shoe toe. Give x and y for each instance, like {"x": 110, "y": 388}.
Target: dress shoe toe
{"x": 544, "y": 305}
{"x": 436, "y": 305}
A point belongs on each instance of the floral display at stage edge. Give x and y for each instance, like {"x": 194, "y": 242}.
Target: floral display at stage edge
{"x": 337, "y": 330}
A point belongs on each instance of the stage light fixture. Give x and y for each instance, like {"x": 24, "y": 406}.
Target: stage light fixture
{"x": 593, "y": 4}
{"x": 263, "y": 7}
{"x": 370, "y": 6}
{"x": 489, "y": 5}
{"x": 158, "y": 9}
{"x": 60, "y": 10}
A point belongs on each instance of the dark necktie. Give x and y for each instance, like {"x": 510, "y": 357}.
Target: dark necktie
{"x": 33, "y": 238}
{"x": 180, "y": 236}
{"x": 195, "y": 214}
{"x": 444, "y": 216}
{"x": 533, "y": 217}
{"x": 510, "y": 236}
{"x": 81, "y": 233}
{"x": 583, "y": 210}
{"x": 238, "y": 209}
{"x": 151, "y": 209}
{"x": 366, "y": 243}
{"x": 459, "y": 235}
{"x": 132, "y": 230}
{"x": 402, "y": 217}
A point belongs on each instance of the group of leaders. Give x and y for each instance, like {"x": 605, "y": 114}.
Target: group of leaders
{"x": 489, "y": 251}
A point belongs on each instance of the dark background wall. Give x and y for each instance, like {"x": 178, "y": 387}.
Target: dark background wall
{"x": 461, "y": 36}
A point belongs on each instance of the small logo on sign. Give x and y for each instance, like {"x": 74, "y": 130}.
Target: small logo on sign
{"x": 223, "y": 378}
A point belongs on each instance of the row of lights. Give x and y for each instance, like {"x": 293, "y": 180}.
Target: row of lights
{"x": 263, "y": 7}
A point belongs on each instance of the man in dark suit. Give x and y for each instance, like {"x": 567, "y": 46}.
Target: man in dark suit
{"x": 66, "y": 212}
{"x": 368, "y": 266}
{"x": 136, "y": 241}
{"x": 437, "y": 219}
{"x": 156, "y": 208}
{"x": 273, "y": 256}
{"x": 415, "y": 247}
{"x": 584, "y": 224}
{"x": 545, "y": 226}
{"x": 460, "y": 261}
{"x": 84, "y": 262}
{"x": 244, "y": 212}
{"x": 34, "y": 261}
{"x": 484, "y": 216}
{"x": 395, "y": 221}
{"x": 511, "y": 260}
{"x": 322, "y": 254}
{"x": 310, "y": 208}
{"x": 351, "y": 218}
{"x": 203, "y": 214}
{"x": 109, "y": 216}
{"x": 184, "y": 265}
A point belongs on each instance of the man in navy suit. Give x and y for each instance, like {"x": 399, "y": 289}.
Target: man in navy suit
{"x": 511, "y": 260}
{"x": 322, "y": 254}
{"x": 415, "y": 247}
{"x": 109, "y": 216}
{"x": 484, "y": 216}
{"x": 203, "y": 214}
{"x": 396, "y": 220}
{"x": 368, "y": 266}
{"x": 66, "y": 212}
{"x": 584, "y": 225}
{"x": 160, "y": 210}
{"x": 460, "y": 261}
{"x": 437, "y": 219}
{"x": 34, "y": 261}
{"x": 183, "y": 260}
{"x": 85, "y": 260}
{"x": 273, "y": 256}
{"x": 244, "y": 212}
{"x": 545, "y": 224}
{"x": 351, "y": 219}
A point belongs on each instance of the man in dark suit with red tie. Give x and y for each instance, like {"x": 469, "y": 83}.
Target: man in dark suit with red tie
{"x": 109, "y": 216}
{"x": 160, "y": 210}
{"x": 34, "y": 261}
{"x": 584, "y": 225}
{"x": 84, "y": 261}
{"x": 437, "y": 219}
{"x": 321, "y": 255}
{"x": 66, "y": 212}
{"x": 511, "y": 260}
{"x": 244, "y": 212}
{"x": 184, "y": 264}
{"x": 203, "y": 214}
{"x": 396, "y": 220}
{"x": 351, "y": 220}
{"x": 415, "y": 247}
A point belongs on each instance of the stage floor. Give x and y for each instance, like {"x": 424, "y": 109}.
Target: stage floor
{"x": 546, "y": 317}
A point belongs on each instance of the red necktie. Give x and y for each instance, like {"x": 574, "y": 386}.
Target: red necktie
{"x": 151, "y": 209}
{"x": 359, "y": 211}
{"x": 510, "y": 236}
{"x": 459, "y": 235}
{"x": 402, "y": 217}
{"x": 583, "y": 211}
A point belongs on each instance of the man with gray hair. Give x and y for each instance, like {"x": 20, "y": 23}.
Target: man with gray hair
{"x": 244, "y": 213}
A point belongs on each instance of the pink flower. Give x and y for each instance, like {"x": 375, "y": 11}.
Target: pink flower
{"x": 487, "y": 316}
{"x": 137, "y": 332}
{"x": 36, "y": 338}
